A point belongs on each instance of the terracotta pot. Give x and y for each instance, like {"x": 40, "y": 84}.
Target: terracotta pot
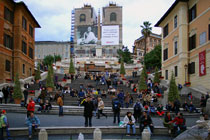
{"x": 17, "y": 101}
{"x": 49, "y": 89}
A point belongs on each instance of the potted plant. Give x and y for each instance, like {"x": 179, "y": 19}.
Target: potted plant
{"x": 49, "y": 80}
{"x": 187, "y": 84}
{"x": 17, "y": 95}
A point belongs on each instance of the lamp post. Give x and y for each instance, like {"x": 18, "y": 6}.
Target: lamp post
{"x": 185, "y": 67}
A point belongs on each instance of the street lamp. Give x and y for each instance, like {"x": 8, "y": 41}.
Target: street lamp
{"x": 185, "y": 67}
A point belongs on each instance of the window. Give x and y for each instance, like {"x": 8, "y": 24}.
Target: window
{"x": 165, "y": 31}
{"x": 23, "y": 68}
{"x": 24, "y": 47}
{"x": 7, "y": 65}
{"x": 31, "y": 31}
{"x": 191, "y": 68}
{"x": 192, "y": 42}
{"x": 166, "y": 74}
{"x": 175, "y": 21}
{"x": 176, "y": 71}
{"x": 175, "y": 48}
{"x": 192, "y": 13}
{"x": 8, "y": 15}
{"x": 202, "y": 38}
{"x": 165, "y": 54}
{"x": 8, "y": 41}
{"x": 31, "y": 53}
{"x": 24, "y": 23}
{"x": 82, "y": 18}
{"x": 113, "y": 17}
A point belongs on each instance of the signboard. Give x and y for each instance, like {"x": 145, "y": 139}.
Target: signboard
{"x": 110, "y": 35}
{"x": 202, "y": 63}
{"x": 86, "y": 35}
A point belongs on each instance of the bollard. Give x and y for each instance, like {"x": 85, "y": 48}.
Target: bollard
{"x": 97, "y": 135}
{"x": 43, "y": 135}
{"x": 146, "y": 134}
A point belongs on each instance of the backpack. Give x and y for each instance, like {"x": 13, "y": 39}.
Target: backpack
{"x": 116, "y": 105}
{"x": 137, "y": 107}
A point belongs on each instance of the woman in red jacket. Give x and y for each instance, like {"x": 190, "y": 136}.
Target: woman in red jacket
{"x": 179, "y": 123}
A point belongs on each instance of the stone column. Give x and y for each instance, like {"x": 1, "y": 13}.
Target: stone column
{"x": 97, "y": 135}
{"x": 146, "y": 134}
{"x": 43, "y": 135}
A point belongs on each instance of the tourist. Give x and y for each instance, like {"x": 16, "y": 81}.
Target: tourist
{"x": 4, "y": 125}
{"x": 120, "y": 96}
{"x": 185, "y": 106}
{"x": 6, "y": 94}
{"x": 202, "y": 104}
{"x": 146, "y": 121}
{"x": 116, "y": 109}
{"x": 138, "y": 108}
{"x": 1, "y": 96}
{"x": 179, "y": 123}
{"x": 88, "y": 111}
{"x": 41, "y": 106}
{"x": 100, "y": 108}
{"x": 127, "y": 99}
{"x": 129, "y": 121}
{"x": 176, "y": 106}
{"x": 152, "y": 109}
{"x": 30, "y": 106}
{"x": 169, "y": 106}
{"x": 60, "y": 104}
{"x": 160, "y": 111}
{"x": 192, "y": 108}
{"x": 25, "y": 93}
{"x": 33, "y": 123}
{"x": 48, "y": 106}
{"x": 166, "y": 121}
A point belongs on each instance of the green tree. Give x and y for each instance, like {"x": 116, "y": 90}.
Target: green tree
{"x": 146, "y": 31}
{"x": 71, "y": 67}
{"x": 144, "y": 72}
{"x": 57, "y": 58}
{"x": 173, "y": 89}
{"x": 37, "y": 73}
{"x": 17, "y": 88}
{"x": 142, "y": 82}
{"x": 157, "y": 76}
{"x": 49, "y": 59}
{"x": 125, "y": 55}
{"x": 153, "y": 58}
{"x": 49, "y": 80}
{"x": 122, "y": 68}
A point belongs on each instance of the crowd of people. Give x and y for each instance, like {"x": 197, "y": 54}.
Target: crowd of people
{"x": 91, "y": 97}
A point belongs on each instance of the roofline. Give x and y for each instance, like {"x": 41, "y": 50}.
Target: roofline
{"x": 24, "y": 5}
{"x": 152, "y": 35}
{"x": 168, "y": 11}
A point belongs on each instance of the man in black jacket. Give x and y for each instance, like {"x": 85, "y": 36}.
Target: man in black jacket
{"x": 146, "y": 121}
{"x": 116, "y": 109}
{"x": 88, "y": 111}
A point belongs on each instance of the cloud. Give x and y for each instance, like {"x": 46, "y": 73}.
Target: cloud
{"x": 54, "y": 16}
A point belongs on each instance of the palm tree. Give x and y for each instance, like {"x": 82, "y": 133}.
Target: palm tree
{"x": 146, "y": 31}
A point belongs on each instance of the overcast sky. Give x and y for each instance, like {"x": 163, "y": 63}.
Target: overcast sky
{"x": 54, "y": 16}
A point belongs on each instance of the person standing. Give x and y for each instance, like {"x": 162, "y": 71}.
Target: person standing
{"x": 129, "y": 121}
{"x": 30, "y": 107}
{"x": 1, "y": 96}
{"x": 60, "y": 104}
{"x": 100, "y": 108}
{"x": 4, "y": 125}
{"x": 138, "y": 108}
{"x": 116, "y": 109}
{"x": 88, "y": 111}
{"x": 127, "y": 99}
{"x": 25, "y": 93}
{"x": 33, "y": 122}
{"x": 6, "y": 94}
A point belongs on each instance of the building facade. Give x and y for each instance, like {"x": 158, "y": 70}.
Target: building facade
{"x": 44, "y": 48}
{"x": 17, "y": 34}
{"x": 139, "y": 44}
{"x": 95, "y": 42}
{"x": 186, "y": 42}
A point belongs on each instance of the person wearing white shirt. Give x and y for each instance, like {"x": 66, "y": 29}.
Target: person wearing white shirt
{"x": 129, "y": 121}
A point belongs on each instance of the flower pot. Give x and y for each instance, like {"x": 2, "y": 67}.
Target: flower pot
{"x": 17, "y": 101}
{"x": 49, "y": 89}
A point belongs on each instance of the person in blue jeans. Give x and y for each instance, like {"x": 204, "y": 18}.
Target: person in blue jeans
{"x": 192, "y": 108}
{"x": 129, "y": 121}
{"x": 4, "y": 125}
{"x": 33, "y": 123}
